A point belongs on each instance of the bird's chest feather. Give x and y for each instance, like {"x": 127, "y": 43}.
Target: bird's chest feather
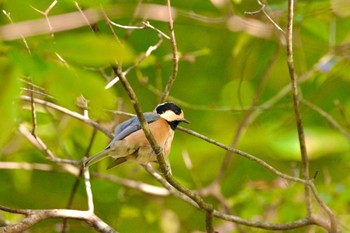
{"x": 137, "y": 145}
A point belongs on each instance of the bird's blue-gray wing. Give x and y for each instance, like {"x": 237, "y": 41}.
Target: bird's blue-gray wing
{"x": 129, "y": 126}
{"x": 121, "y": 131}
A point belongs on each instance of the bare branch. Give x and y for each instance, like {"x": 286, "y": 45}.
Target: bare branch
{"x": 145, "y": 55}
{"x": 35, "y": 216}
{"x": 175, "y": 55}
{"x": 32, "y": 105}
{"x": 229, "y": 217}
{"x": 88, "y": 190}
{"x": 73, "y": 20}
{"x": 8, "y": 15}
{"x": 265, "y": 225}
{"x": 262, "y": 9}
{"x": 83, "y": 14}
{"x": 67, "y": 168}
{"x": 38, "y": 143}
{"x": 328, "y": 118}
{"x": 193, "y": 133}
{"x": 70, "y": 113}
{"x": 246, "y": 155}
{"x": 296, "y": 102}
{"x": 208, "y": 208}
{"x": 247, "y": 118}
{"x": 301, "y": 135}
{"x": 46, "y": 15}
{"x": 332, "y": 227}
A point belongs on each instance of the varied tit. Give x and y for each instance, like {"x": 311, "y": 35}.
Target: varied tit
{"x": 130, "y": 142}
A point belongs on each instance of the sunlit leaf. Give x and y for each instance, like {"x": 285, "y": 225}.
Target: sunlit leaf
{"x": 9, "y": 92}
{"x": 92, "y": 50}
{"x": 341, "y": 8}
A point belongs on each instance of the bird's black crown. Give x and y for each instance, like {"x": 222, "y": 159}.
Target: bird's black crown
{"x": 162, "y": 108}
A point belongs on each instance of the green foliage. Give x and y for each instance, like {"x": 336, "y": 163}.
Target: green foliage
{"x": 220, "y": 71}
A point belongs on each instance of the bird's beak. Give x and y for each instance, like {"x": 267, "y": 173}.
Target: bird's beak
{"x": 184, "y": 120}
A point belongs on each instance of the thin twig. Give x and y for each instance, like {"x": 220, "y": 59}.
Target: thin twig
{"x": 38, "y": 143}
{"x": 193, "y": 133}
{"x": 83, "y": 15}
{"x": 74, "y": 171}
{"x": 71, "y": 198}
{"x": 262, "y": 9}
{"x": 229, "y": 217}
{"x": 46, "y": 15}
{"x": 32, "y": 105}
{"x": 160, "y": 158}
{"x": 175, "y": 55}
{"x": 247, "y": 118}
{"x": 296, "y": 102}
{"x": 88, "y": 190}
{"x": 301, "y": 135}
{"x": 77, "y": 181}
{"x": 35, "y": 216}
{"x": 246, "y": 155}
{"x": 333, "y": 222}
{"x": 343, "y": 114}
{"x": 328, "y": 117}
{"x": 144, "y": 56}
{"x": 8, "y": 15}
{"x": 70, "y": 113}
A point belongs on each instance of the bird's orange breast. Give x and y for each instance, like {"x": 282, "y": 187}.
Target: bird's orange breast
{"x": 136, "y": 144}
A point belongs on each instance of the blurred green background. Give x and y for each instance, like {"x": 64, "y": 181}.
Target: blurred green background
{"x": 224, "y": 56}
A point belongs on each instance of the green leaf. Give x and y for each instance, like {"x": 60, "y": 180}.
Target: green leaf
{"x": 9, "y": 92}
{"x": 341, "y": 8}
{"x": 92, "y": 50}
{"x": 66, "y": 84}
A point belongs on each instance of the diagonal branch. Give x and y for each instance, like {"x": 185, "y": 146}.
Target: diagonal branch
{"x": 175, "y": 55}
{"x": 299, "y": 123}
{"x": 191, "y": 132}
{"x": 208, "y": 208}
{"x": 70, "y": 113}
{"x": 328, "y": 117}
{"x": 246, "y": 155}
{"x": 247, "y": 118}
{"x": 35, "y": 216}
{"x": 296, "y": 102}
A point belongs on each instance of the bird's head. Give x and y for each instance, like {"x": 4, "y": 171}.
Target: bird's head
{"x": 171, "y": 112}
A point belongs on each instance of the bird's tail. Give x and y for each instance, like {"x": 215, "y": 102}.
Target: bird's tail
{"x": 97, "y": 157}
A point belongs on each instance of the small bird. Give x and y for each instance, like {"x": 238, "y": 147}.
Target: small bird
{"x": 130, "y": 142}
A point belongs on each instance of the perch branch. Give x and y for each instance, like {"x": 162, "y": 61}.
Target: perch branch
{"x": 33, "y": 217}
{"x": 191, "y": 132}
{"x": 160, "y": 158}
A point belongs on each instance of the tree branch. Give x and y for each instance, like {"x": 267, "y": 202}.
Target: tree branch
{"x": 299, "y": 123}
{"x": 70, "y": 113}
{"x": 208, "y": 208}
{"x": 296, "y": 102}
{"x": 247, "y": 118}
{"x": 328, "y": 118}
{"x": 35, "y": 216}
{"x": 72, "y": 170}
{"x": 244, "y": 154}
{"x": 38, "y": 143}
{"x": 175, "y": 55}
